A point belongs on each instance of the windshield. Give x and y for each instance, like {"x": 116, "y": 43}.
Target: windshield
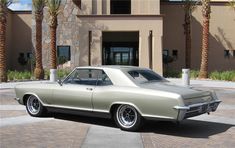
{"x": 145, "y": 76}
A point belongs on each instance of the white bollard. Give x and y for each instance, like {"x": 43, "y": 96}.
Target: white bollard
{"x": 186, "y": 77}
{"x": 53, "y": 75}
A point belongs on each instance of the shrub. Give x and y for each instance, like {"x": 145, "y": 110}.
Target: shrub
{"x": 16, "y": 75}
{"x": 10, "y": 75}
{"x": 62, "y": 73}
{"x": 225, "y": 75}
{"x": 228, "y": 75}
{"x": 172, "y": 74}
{"x": 194, "y": 74}
{"x": 46, "y": 74}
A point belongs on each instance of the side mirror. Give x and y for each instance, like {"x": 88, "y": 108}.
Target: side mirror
{"x": 60, "y": 82}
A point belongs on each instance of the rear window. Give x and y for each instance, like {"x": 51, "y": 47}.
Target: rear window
{"x": 145, "y": 76}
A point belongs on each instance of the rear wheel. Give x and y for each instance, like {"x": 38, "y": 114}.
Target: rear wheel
{"x": 34, "y": 107}
{"x": 127, "y": 118}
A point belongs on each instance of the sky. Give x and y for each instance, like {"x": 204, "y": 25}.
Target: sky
{"x": 21, "y": 5}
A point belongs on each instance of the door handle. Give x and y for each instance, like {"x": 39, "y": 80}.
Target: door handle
{"x": 89, "y": 89}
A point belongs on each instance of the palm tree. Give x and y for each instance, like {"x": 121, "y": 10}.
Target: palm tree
{"x": 53, "y": 8}
{"x": 38, "y": 12}
{"x": 206, "y": 10}
{"x": 189, "y": 6}
{"x": 232, "y": 4}
{"x": 3, "y": 21}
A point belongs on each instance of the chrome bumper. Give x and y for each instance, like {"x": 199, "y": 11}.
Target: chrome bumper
{"x": 196, "y": 109}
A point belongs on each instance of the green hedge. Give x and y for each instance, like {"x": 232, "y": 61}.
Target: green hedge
{"x": 26, "y": 75}
{"x": 215, "y": 75}
{"x": 61, "y": 73}
{"x": 224, "y": 75}
{"x": 16, "y": 75}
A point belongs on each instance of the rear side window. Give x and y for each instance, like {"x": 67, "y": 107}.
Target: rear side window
{"x": 145, "y": 76}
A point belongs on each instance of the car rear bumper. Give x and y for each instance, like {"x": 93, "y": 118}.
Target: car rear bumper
{"x": 196, "y": 109}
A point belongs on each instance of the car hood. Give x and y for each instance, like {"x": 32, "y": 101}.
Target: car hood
{"x": 185, "y": 92}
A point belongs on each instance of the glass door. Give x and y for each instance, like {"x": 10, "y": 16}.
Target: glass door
{"x": 124, "y": 54}
{"x": 121, "y": 58}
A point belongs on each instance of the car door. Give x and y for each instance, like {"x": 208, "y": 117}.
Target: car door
{"x": 102, "y": 95}
{"x": 76, "y": 90}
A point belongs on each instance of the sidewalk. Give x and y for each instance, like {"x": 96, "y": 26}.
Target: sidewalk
{"x": 193, "y": 83}
{"x": 205, "y": 83}
{"x": 11, "y": 85}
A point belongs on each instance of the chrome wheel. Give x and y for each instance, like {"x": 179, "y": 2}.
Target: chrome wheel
{"x": 126, "y": 116}
{"x": 33, "y": 105}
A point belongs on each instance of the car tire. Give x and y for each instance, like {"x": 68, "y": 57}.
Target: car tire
{"x": 127, "y": 118}
{"x": 34, "y": 107}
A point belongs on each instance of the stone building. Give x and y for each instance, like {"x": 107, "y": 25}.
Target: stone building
{"x": 104, "y": 32}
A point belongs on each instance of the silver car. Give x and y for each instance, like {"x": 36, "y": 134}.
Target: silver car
{"x": 125, "y": 93}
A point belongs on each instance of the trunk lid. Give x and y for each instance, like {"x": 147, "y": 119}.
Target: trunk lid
{"x": 189, "y": 95}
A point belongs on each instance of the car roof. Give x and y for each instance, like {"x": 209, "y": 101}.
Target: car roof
{"x": 116, "y": 73}
{"x": 121, "y": 67}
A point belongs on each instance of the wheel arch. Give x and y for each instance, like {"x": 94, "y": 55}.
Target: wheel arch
{"x": 27, "y": 95}
{"x": 114, "y": 105}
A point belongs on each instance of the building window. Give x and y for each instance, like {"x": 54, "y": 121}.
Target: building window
{"x": 175, "y": 54}
{"x": 226, "y": 53}
{"x": 63, "y": 54}
{"x": 229, "y": 53}
{"x": 77, "y": 3}
{"x": 165, "y": 52}
{"x": 120, "y": 6}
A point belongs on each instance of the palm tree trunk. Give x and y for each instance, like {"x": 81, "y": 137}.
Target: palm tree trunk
{"x": 3, "y": 21}
{"x": 205, "y": 39}
{"x": 53, "y": 44}
{"x": 39, "y": 72}
{"x": 205, "y": 46}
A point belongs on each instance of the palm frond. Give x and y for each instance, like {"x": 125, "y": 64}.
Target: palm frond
{"x": 53, "y": 7}
{"x": 6, "y": 2}
{"x": 38, "y": 5}
{"x": 231, "y": 4}
{"x": 190, "y": 5}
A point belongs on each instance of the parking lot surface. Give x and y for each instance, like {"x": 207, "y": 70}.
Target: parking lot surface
{"x": 19, "y": 130}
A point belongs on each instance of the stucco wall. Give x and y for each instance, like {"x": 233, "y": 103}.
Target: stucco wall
{"x": 221, "y": 37}
{"x": 99, "y": 24}
{"x": 137, "y": 6}
{"x": 8, "y": 40}
{"x": 18, "y": 38}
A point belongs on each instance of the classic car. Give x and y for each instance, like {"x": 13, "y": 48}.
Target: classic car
{"x": 127, "y": 94}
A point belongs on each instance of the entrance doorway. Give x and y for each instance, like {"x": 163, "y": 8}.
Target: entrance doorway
{"x": 120, "y": 48}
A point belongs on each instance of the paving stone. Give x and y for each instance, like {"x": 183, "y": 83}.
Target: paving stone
{"x": 53, "y": 133}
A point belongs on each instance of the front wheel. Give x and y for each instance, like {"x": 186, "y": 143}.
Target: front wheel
{"x": 127, "y": 118}
{"x": 34, "y": 107}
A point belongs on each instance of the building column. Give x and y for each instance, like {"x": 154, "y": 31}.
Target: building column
{"x": 99, "y": 7}
{"x": 143, "y": 49}
{"x": 157, "y": 60}
{"x": 107, "y": 7}
{"x": 96, "y": 48}
{"x": 87, "y": 8}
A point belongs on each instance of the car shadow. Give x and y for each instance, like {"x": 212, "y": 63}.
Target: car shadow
{"x": 85, "y": 119}
{"x": 187, "y": 128}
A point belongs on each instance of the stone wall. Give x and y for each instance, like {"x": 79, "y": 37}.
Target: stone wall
{"x": 67, "y": 32}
